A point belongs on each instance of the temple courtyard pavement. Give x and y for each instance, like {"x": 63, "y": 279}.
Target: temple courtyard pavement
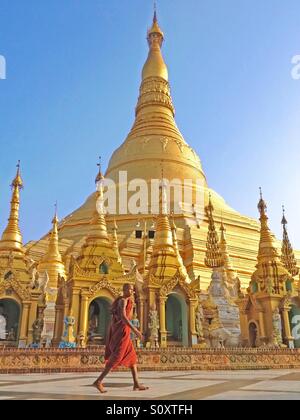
{"x": 186, "y": 385}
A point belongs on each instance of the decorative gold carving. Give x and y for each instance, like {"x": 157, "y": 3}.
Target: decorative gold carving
{"x": 180, "y": 145}
{"x": 167, "y": 288}
{"x": 77, "y": 360}
{"x": 164, "y": 142}
{"x": 104, "y": 284}
{"x": 102, "y": 259}
{"x": 10, "y": 259}
{"x": 213, "y": 257}
{"x": 14, "y": 284}
{"x": 155, "y": 91}
{"x": 287, "y": 253}
{"x": 145, "y": 142}
{"x": 286, "y": 303}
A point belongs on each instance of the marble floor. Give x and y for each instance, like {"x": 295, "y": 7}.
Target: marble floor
{"x": 194, "y": 385}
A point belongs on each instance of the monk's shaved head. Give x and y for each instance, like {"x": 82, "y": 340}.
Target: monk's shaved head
{"x": 126, "y": 287}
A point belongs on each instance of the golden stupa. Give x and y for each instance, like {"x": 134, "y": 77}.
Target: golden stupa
{"x": 155, "y": 142}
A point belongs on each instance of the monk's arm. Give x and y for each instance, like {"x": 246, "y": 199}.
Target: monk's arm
{"x": 126, "y": 320}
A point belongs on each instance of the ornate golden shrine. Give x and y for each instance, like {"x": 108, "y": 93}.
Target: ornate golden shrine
{"x": 264, "y": 312}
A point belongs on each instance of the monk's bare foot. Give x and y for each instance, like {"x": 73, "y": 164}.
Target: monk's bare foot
{"x": 140, "y": 388}
{"x": 100, "y": 387}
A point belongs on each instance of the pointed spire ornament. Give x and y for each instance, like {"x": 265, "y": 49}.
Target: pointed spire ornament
{"x": 182, "y": 268}
{"x": 155, "y": 65}
{"x": 115, "y": 241}
{"x": 99, "y": 176}
{"x": 270, "y": 274}
{"x": 52, "y": 262}
{"x": 213, "y": 257}
{"x": 287, "y": 253}
{"x": 12, "y": 238}
{"x": 155, "y": 29}
{"x": 53, "y": 250}
{"x": 267, "y": 246}
{"x": 163, "y": 237}
{"x": 98, "y": 230}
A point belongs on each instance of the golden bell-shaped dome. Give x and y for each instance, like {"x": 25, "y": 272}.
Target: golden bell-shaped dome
{"x": 155, "y": 139}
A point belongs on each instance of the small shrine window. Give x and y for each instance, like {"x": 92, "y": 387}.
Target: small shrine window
{"x": 138, "y": 234}
{"x": 151, "y": 234}
{"x": 8, "y": 275}
{"x": 103, "y": 269}
{"x": 289, "y": 286}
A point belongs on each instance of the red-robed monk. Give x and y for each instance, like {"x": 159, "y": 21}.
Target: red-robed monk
{"x": 119, "y": 349}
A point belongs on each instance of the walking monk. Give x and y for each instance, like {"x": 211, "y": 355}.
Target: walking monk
{"x": 119, "y": 349}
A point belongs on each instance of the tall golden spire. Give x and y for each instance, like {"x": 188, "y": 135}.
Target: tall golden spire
{"x": 164, "y": 263}
{"x": 267, "y": 246}
{"x": 12, "y": 238}
{"x": 99, "y": 254}
{"x": 155, "y": 65}
{"x": 213, "y": 257}
{"x": 163, "y": 236}
{"x": 270, "y": 274}
{"x": 182, "y": 268}
{"x": 52, "y": 261}
{"x": 115, "y": 241}
{"x": 155, "y": 89}
{"x": 98, "y": 230}
{"x": 287, "y": 253}
{"x": 53, "y": 253}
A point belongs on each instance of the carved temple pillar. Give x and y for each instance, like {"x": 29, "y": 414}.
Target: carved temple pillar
{"x": 262, "y": 327}
{"x": 162, "y": 319}
{"x": 288, "y": 338}
{"x": 58, "y": 325}
{"x": 148, "y": 307}
{"x": 84, "y": 312}
{"x": 193, "y": 333}
{"x": 142, "y": 314}
{"x": 244, "y": 328}
{"x": 32, "y": 315}
{"x": 24, "y": 325}
{"x": 76, "y": 310}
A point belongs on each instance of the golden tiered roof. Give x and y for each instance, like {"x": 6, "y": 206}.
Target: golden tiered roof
{"x": 52, "y": 261}
{"x": 165, "y": 260}
{"x": 98, "y": 247}
{"x": 214, "y": 258}
{"x": 287, "y": 253}
{"x": 270, "y": 275}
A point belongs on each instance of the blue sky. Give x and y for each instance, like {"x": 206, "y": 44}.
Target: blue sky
{"x": 73, "y": 73}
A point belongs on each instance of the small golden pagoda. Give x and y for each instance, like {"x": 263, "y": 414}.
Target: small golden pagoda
{"x": 52, "y": 264}
{"x": 49, "y": 270}
{"x": 264, "y": 312}
{"x": 169, "y": 287}
{"x": 95, "y": 279}
{"x": 223, "y": 330}
{"x": 20, "y": 295}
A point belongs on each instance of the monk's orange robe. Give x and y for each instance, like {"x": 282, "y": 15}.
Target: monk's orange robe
{"x": 119, "y": 349}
